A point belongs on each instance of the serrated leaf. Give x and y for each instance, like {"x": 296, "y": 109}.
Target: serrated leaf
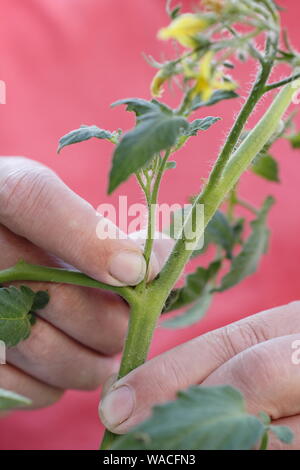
{"x": 283, "y": 433}
{"x": 195, "y": 127}
{"x": 86, "y": 133}
{"x": 162, "y": 106}
{"x": 220, "y": 232}
{"x": 219, "y": 95}
{"x": 200, "y": 125}
{"x": 246, "y": 262}
{"x": 16, "y": 305}
{"x": 155, "y": 132}
{"x": 41, "y": 299}
{"x": 202, "y": 418}
{"x": 137, "y": 105}
{"x": 192, "y": 315}
{"x": 266, "y": 167}
{"x": 11, "y": 400}
{"x": 194, "y": 288}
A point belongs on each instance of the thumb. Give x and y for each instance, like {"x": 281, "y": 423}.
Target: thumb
{"x": 37, "y": 205}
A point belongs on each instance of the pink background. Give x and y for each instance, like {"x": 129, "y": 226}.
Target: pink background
{"x": 64, "y": 62}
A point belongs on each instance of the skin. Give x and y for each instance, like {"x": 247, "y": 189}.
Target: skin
{"x": 253, "y": 355}
{"x": 74, "y": 343}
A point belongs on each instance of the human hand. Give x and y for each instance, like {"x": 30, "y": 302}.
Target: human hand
{"x": 76, "y": 337}
{"x": 253, "y": 355}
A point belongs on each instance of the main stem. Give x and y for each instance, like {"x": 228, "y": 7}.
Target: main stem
{"x": 143, "y": 319}
{"x": 214, "y": 195}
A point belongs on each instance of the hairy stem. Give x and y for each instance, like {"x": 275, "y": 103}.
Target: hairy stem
{"x": 281, "y": 83}
{"x": 143, "y": 318}
{"x": 213, "y": 195}
{"x": 23, "y": 271}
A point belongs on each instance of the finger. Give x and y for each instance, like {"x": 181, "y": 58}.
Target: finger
{"x": 55, "y": 359}
{"x": 39, "y": 393}
{"x": 85, "y": 314}
{"x": 159, "y": 379}
{"x": 267, "y": 376}
{"x": 37, "y": 205}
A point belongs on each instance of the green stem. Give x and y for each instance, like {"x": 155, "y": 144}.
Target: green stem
{"x": 281, "y": 83}
{"x": 23, "y": 271}
{"x": 143, "y": 319}
{"x": 265, "y": 441}
{"x": 213, "y": 195}
{"x": 145, "y": 310}
{"x": 151, "y": 203}
{"x": 254, "y": 97}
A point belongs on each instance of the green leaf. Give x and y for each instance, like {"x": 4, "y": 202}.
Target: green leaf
{"x": 86, "y": 133}
{"x": 155, "y": 132}
{"x": 175, "y": 12}
{"x": 200, "y": 125}
{"x": 218, "y": 96}
{"x": 172, "y": 12}
{"x": 194, "y": 128}
{"x": 138, "y": 105}
{"x": 266, "y": 167}
{"x": 295, "y": 140}
{"x": 220, "y": 232}
{"x": 283, "y": 433}
{"x": 192, "y": 315}
{"x": 16, "y": 307}
{"x": 10, "y": 400}
{"x": 162, "y": 106}
{"x": 202, "y": 418}
{"x": 246, "y": 262}
{"x": 40, "y": 301}
{"x": 194, "y": 287}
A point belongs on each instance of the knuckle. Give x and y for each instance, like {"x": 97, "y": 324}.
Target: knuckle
{"x": 256, "y": 365}
{"x": 253, "y": 373}
{"x": 39, "y": 342}
{"x": 170, "y": 376}
{"x": 22, "y": 187}
{"x": 233, "y": 339}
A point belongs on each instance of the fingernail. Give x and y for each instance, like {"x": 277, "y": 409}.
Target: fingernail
{"x": 117, "y": 406}
{"x": 128, "y": 267}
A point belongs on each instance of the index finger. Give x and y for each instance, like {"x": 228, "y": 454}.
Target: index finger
{"x": 37, "y": 205}
{"x": 190, "y": 363}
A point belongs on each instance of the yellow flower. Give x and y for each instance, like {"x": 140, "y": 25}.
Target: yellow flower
{"x": 185, "y": 27}
{"x": 208, "y": 80}
{"x": 156, "y": 85}
{"x": 214, "y": 5}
